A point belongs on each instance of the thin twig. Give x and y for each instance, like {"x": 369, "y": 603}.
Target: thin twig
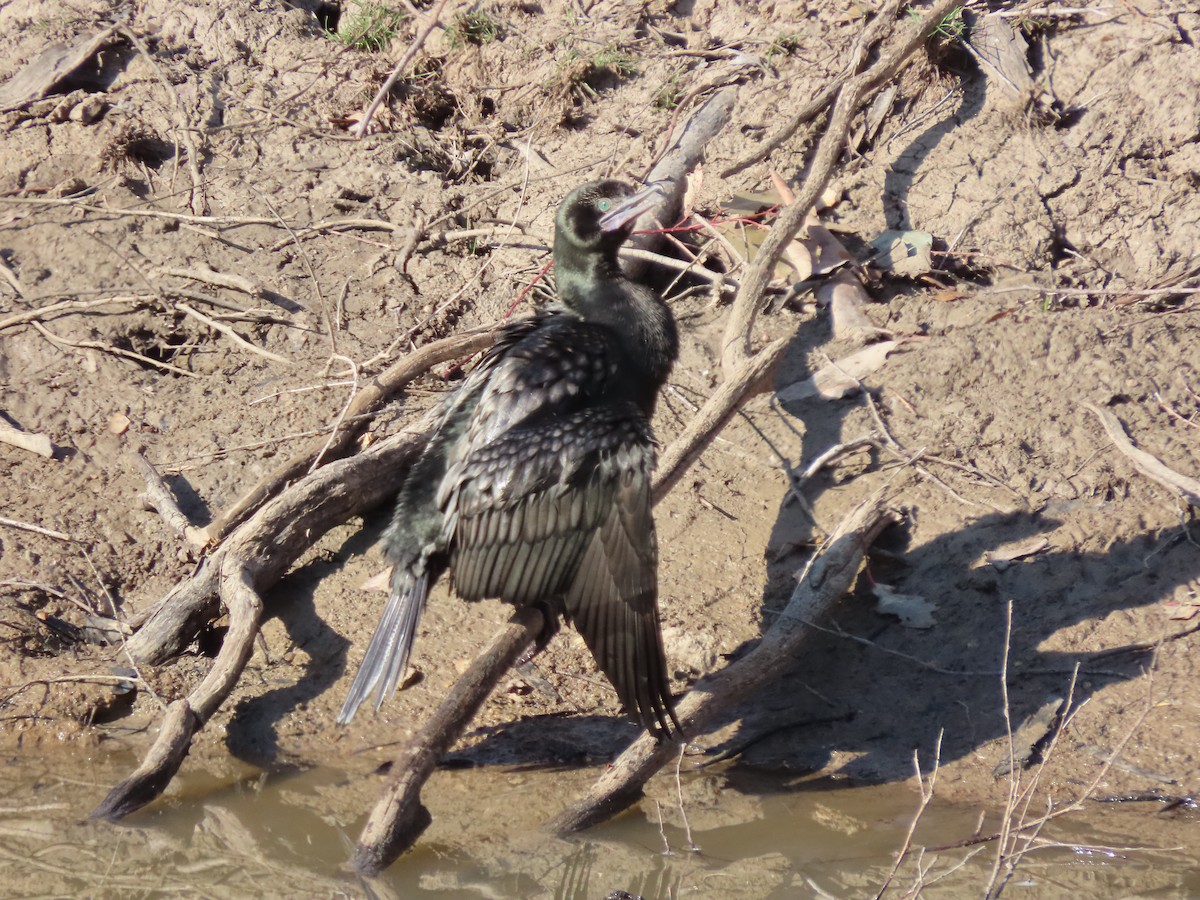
{"x": 431, "y": 20}
{"x": 875, "y": 30}
{"x": 231, "y": 334}
{"x": 37, "y": 529}
{"x": 106, "y": 348}
{"x": 926, "y": 788}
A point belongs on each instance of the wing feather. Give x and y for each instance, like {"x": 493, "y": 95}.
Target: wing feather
{"x": 613, "y": 600}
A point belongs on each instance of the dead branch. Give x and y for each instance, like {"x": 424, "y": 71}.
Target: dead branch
{"x": 65, "y": 306}
{"x": 231, "y": 334}
{"x": 830, "y": 576}
{"x": 398, "y": 818}
{"x": 34, "y": 443}
{"x": 158, "y": 497}
{"x": 1144, "y": 462}
{"x": 252, "y": 560}
{"x": 217, "y": 279}
{"x": 377, "y": 392}
{"x": 60, "y": 341}
{"x": 852, "y": 94}
{"x": 683, "y": 156}
{"x": 275, "y": 537}
{"x": 878, "y": 27}
{"x": 187, "y": 716}
{"x": 37, "y": 529}
{"x": 754, "y": 375}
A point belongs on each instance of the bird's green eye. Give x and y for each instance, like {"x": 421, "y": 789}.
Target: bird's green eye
{"x": 603, "y": 205}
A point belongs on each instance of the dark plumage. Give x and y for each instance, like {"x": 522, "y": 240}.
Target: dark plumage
{"x": 535, "y": 487}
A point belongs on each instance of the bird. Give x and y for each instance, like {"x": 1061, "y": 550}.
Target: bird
{"x": 534, "y": 486}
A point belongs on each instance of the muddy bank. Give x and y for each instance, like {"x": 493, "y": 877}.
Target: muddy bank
{"x": 1064, "y": 274}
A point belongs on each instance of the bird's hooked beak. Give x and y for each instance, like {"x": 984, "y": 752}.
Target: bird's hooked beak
{"x": 626, "y": 212}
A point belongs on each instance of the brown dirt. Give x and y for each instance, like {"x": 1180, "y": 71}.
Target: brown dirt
{"x": 1100, "y": 202}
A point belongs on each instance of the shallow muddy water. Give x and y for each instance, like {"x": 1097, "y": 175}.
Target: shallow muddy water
{"x": 247, "y": 834}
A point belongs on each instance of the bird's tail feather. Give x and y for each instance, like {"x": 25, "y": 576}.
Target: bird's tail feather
{"x": 387, "y": 654}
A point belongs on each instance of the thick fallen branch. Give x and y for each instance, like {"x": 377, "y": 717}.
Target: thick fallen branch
{"x": 253, "y": 559}
{"x": 399, "y": 818}
{"x": 853, "y": 94}
{"x": 185, "y": 717}
{"x": 672, "y": 170}
{"x": 275, "y": 537}
{"x": 377, "y": 392}
{"x": 830, "y": 576}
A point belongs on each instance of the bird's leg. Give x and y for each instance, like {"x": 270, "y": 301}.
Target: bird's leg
{"x": 550, "y": 626}
{"x": 525, "y": 667}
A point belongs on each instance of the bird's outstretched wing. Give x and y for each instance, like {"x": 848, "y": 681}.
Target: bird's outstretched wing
{"x": 613, "y": 600}
{"x": 561, "y": 509}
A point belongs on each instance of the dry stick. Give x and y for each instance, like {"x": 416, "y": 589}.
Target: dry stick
{"x": 1144, "y": 462}
{"x": 159, "y": 497}
{"x": 683, "y": 156}
{"x": 35, "y": 315}
{"x": 739, "y": 327}
{"x": 183, "y": 128}
{"x": 399, "y": 818}
{"x": 34, "y": 443}
{"x": 231, "y": 334}
{"x": 878, "y": 26}
{"x": 431, "y": 22}
{"x": 58, "y": 340}
{"x": 36, "y": 529}
{"x": 828, "y": 579}
{"x": 217, "y": 279}
{"x": 378, "y": 391}
{"x": 752, "y": 377}
{"x": 253, "y": 559}
{"x": 187, "y": 716}
{"x": 927, "y": 789}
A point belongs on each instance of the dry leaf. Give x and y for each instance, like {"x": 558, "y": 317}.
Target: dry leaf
{"x": 912, "y": 610}
{"x": 1001, "y": 559}
{"x": 907, "y": 253}
{"x": 847, "y": 299}
{"x": 380, "y": 581}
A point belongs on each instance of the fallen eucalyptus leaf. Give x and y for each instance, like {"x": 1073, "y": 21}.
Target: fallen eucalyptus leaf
{"x": 903, "y": 252}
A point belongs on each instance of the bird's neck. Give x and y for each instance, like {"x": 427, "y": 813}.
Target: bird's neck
{"x": 593, "y": 286}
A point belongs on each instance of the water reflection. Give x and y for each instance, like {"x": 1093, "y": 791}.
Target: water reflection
{"x": 239, "y": 833}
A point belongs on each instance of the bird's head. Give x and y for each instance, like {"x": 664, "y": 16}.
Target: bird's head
{"x": 599, "y": 215}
